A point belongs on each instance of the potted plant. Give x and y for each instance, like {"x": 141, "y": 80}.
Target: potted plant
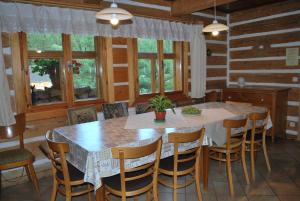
{"x": 160, "y": 104}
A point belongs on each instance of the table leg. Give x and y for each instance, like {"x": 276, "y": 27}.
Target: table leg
{"x": 205, "y": 166}
{"x": 100, "y": 194}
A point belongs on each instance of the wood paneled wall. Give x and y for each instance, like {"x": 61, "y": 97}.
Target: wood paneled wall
{"x": 258, "y": 41}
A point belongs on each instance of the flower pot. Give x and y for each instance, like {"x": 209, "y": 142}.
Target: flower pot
{"x": 160, "y": 116}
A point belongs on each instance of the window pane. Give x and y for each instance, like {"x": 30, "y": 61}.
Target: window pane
{"x": 157, "y": 78}
{"x": 147, "y": 45}
{"x": 168, "y": 46}
{"x": 169, "y": 74}
{"x": 44, "y": 42}
{"x": 45, "y": 80}
{"x": 84, "y": 78}
{"x": 82, "y": 43}
{"x": 145, "y": 76}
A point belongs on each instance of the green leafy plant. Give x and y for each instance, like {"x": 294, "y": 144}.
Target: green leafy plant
{"x": 161, "y": 103}
{"x": 190, "y": 110}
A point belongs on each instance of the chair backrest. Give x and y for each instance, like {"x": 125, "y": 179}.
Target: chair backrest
{"x": 260, "y": 128}
{"x": 240, "y": 124}
{"x": 150, "y": 169}
{"x": 115, "y": 110}
{"x": 15, "y": 130}
{"x": 57, "y": 155}
{"x": 142, "y": 108}
{"x": 186, "y": 102}
{"x": 191, "y": 154}
{"x": 82, "y": 115}
{"x": 211, "y": 96}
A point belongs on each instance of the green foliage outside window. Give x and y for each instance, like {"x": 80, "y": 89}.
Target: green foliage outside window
{"x": 150, "y": 46}
{"x": 144, "y": 75}
{"x": 87, "y": 75}
{"x": 44, "y": 42}
{"x": 168, "y": 46}
{"x": 169, "y": 74}
{"x": 147, "y": 45}
{"x": 82, "y": 43}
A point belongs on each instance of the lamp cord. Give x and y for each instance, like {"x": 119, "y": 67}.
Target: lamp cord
{"x": 215, "y": 9}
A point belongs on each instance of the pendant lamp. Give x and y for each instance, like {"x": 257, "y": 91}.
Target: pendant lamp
{"x": 215, "y": 27}
{"x": 114, "y": 14}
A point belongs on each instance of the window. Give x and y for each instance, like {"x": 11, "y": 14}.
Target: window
{"x": 55, "y": 74}
{"x": 149, "y": 75}
{"x": 84, "y": 67}
{"x": 45, "y": 59}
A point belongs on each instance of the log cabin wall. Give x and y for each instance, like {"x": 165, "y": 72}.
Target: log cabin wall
{"x": 257, "y": 49}
{"x": 119, "y": 84}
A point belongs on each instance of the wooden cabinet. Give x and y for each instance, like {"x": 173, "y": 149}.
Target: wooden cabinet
{"x": 273, "y": 98}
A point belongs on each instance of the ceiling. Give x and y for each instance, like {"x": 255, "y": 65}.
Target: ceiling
{"x": 244, "y": 4}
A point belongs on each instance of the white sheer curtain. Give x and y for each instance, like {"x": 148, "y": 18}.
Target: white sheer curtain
{"x": 6, "y": 114}
{"x": 198, "y": 64}
{"x": 17, "y": 17}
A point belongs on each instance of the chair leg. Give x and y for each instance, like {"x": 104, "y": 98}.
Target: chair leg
{"x": 135, "y": 198}
{"x": 68, "y": 198}
{"x": 252, "y": 156}
{"x": 175, "y": 187}
{"x": 243, "y": 159}
{"x": 155, "y": 191}
{"x": 229, "y": 174}
{"x": 266, "y": 153}
{"x": 34, "y": 178}
{"x": 54, "y": 190}
{"x": 0, "y": 181}
{"x": 148, "y": 198}
{"x": 28, "y": 173}
{"x": 197, "y": 179}
{"x": 89, "y": 193}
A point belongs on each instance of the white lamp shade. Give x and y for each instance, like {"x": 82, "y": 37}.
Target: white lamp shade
{"x": 215, "y": 26}
{"x": 119, "y": 13}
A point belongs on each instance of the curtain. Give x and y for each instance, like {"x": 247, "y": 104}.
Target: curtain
{"x": 198, "y": 64}
{"x": 6, "y": 113}
{"x": 15, "y": 17}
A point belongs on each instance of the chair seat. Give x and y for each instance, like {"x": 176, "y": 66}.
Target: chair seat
{"x": 168, "y": 163}
{"x": 74, "y": 173}
{"x": 14, "y": 155}
{"x": 114, "y": 182}
{"x": 234, "y": 142}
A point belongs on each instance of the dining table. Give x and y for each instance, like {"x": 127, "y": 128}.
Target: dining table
{"x": 90, "y": 143}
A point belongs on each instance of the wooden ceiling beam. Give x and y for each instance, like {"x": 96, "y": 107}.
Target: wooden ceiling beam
{"x": 135, "y": 10}
{"x": 184, "y": 7}
{"x": 155, "y": 2}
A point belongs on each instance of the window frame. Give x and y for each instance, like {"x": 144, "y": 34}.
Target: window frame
{"x": 67, "y": 87}
{"x": 178, "y": 70}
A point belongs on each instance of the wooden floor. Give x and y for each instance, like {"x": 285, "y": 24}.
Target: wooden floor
{"x": 283, "y": 184}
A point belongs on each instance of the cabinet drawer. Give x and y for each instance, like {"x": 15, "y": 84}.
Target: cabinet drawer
{"x": 256, "y": 99}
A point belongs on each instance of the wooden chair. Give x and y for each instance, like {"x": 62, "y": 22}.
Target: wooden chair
{"x": 257, "y": 139}
{"x": 211, "y": 96}
{"x": 82, "y": 115}
{"x": 183, "y": 162}
{"x": 232, "y": 150}
{"x": 142, "y": 108}
{"x": 65, "y": 175}
{"x": 19, "y": 157}
{"x": 115, "y": 110}
{"x": 138, "y": 180}
{"x": 186, "y": 102}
